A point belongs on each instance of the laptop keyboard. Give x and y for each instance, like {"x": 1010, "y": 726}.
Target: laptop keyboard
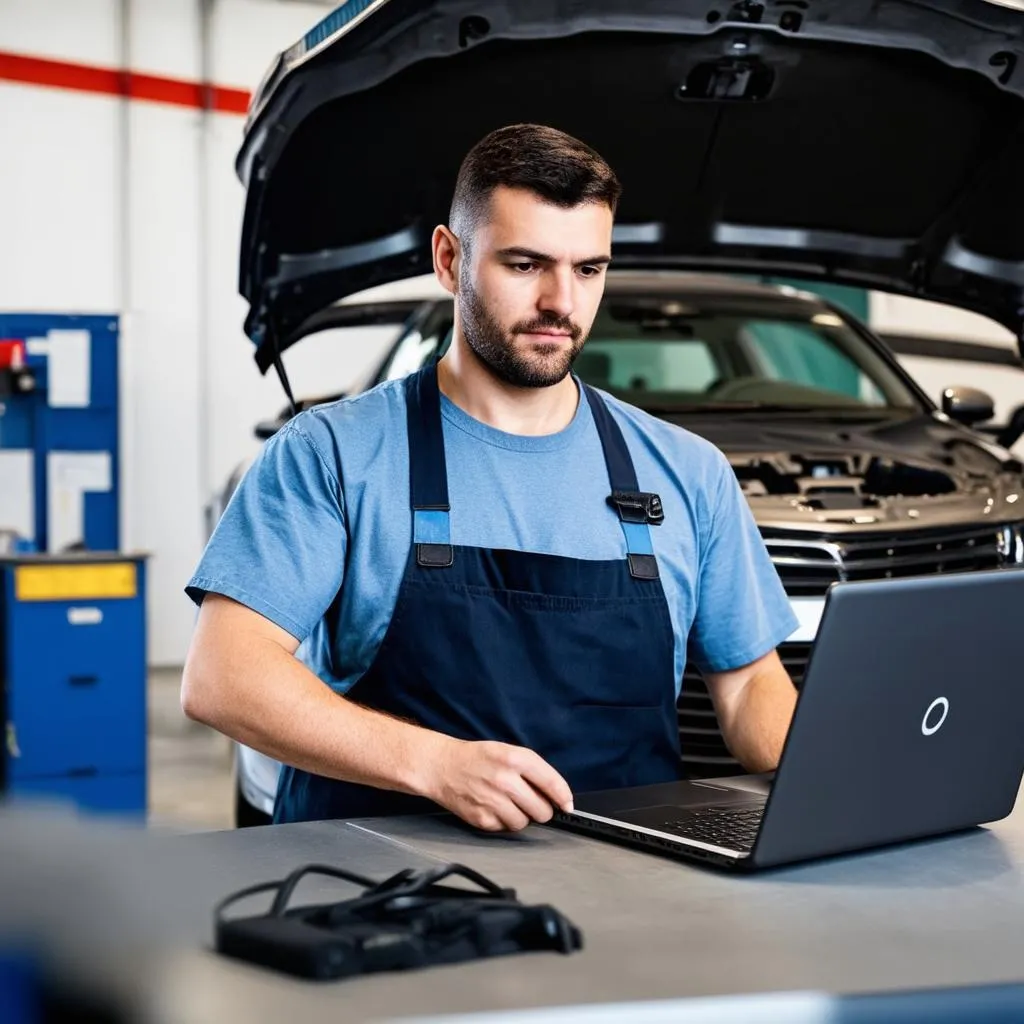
{"x": 732, "y": 828}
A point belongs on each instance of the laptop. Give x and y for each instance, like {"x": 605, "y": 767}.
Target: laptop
{"x": 909, "y": 724}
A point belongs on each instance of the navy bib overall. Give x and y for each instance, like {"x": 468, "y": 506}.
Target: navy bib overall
{"x": 571, "y": 658}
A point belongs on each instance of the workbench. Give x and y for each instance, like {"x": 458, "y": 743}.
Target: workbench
{"x": 942, "y": 913}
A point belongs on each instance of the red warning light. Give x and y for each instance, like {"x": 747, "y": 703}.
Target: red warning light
{"x": 12, "y": 354}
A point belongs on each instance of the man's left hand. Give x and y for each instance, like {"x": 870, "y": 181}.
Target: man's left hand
{"x": 755, "y": 707}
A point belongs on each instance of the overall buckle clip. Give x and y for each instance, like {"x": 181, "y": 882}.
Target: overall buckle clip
{"x": 638, "y": 507}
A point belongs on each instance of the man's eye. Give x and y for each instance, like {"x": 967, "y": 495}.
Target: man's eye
{"x": 523, "y": 268}
{"x": 590, "y": 271}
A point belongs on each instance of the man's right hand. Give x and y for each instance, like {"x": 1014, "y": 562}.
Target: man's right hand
{"x": 495, "y": 786}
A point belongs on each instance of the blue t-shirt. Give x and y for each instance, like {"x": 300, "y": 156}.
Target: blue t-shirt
{"x": 317, "y": 535}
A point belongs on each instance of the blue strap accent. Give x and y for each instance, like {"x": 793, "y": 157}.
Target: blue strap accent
{"x": 431, "y": 526}
{"x": 638, "y": 538}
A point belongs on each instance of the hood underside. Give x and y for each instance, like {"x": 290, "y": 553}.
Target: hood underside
{"x": 879, "y": 144}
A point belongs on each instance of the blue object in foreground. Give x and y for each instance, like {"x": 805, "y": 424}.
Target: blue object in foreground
{"x": 983, "y": 1004}
{"x": 19, "y": 992}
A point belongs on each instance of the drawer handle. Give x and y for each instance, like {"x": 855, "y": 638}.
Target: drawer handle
{"x": 85, "y": 616}
{"x": 83, "y": 680}
{"x": 82, "y": 773}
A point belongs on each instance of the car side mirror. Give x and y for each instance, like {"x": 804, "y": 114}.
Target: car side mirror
{"x": 967, "y": 405}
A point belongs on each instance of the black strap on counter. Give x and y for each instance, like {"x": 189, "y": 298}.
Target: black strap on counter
{"x": 409, "y": 920}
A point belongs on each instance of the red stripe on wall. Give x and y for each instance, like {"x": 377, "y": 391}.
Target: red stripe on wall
{"x": 59, "y": 74}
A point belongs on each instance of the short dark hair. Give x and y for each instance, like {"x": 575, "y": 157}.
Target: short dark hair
{"x": 553, "y": 165}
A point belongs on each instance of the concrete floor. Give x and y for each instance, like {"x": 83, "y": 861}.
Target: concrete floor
{"x": 191, "y": 771}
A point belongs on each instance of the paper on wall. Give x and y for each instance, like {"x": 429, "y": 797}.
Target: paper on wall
{"x": 69, "y": 476}
{"x": 68, "y": 366}
{"x": 17, "y": 492}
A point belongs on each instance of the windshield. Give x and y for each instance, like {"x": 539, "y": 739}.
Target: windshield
{"x": 731, "y": 353}
{"x": 662, "y": 353}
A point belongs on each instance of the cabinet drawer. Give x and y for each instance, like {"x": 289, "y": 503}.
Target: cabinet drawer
{"x": 76, "y": 723}
{"x": 74, "y": 635}
{"x": 76, "y": 688}
{"x": 112, "y": 794}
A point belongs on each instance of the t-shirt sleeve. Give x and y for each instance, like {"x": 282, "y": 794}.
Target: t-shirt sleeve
{"x": 742, "y": 609}
{"x": 279, "y": 548}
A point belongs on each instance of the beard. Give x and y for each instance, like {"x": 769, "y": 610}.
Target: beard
{"x": 541, "y": 366}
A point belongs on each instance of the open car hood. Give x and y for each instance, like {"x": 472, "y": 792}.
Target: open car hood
{"x": 876, "y": 143}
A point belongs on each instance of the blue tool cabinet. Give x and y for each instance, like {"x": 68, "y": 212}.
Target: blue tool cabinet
{"x": 73, "y": 673}
{"x": 66, "y": 426}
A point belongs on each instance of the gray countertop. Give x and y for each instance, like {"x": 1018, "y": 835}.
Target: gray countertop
{"x": 942, "y": 912}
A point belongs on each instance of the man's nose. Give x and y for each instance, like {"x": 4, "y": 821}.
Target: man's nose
{"x": 557, "y": 294}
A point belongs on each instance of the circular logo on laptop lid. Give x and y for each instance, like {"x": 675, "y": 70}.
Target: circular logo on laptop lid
{"x": 935, "y": 716}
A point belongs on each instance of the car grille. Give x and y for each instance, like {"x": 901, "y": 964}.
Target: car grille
{"x": 807, "y": 566}
{"x": 704, "y": 751}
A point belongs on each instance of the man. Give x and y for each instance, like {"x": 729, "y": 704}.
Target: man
{"x": 497, "y": 573}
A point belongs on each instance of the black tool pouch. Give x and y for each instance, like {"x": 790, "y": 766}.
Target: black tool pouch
{"x": 406, "y": 921}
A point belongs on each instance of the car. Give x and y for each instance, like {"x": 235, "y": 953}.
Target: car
{"x": 744, "y": 150}
{"x": 850, "y": 470}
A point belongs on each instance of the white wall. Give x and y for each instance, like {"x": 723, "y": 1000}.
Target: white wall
{"x": 134, "y": 208}
{"x": 898, "y": 314}
{"x": 163, "y": 320}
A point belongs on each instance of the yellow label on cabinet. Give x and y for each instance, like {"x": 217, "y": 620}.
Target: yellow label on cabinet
{"x": 75, "y": 582}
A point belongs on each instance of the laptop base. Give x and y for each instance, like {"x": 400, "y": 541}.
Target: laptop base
{"x": 653, "y": 816}
{"x": 664, "y": 845}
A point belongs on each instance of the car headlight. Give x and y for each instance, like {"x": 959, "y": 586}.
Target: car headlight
{"x": 1011, "y": 543}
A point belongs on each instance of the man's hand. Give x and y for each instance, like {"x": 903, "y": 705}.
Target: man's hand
{"x": 495, "y": 786}
{"x": 755, "y": 707}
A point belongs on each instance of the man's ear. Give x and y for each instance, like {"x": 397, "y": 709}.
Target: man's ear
{"x": 446, "y": 253}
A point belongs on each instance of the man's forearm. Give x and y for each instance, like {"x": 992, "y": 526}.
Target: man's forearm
{"x": 755, "y": 732}
{"x": 260, "y": 695}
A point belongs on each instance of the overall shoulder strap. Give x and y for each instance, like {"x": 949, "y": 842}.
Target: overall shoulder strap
{"x": 428, "y": 473}
{"x": 638, "y": 510}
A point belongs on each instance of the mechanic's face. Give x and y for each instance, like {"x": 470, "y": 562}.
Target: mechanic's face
{"x": 529, "y": 291}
